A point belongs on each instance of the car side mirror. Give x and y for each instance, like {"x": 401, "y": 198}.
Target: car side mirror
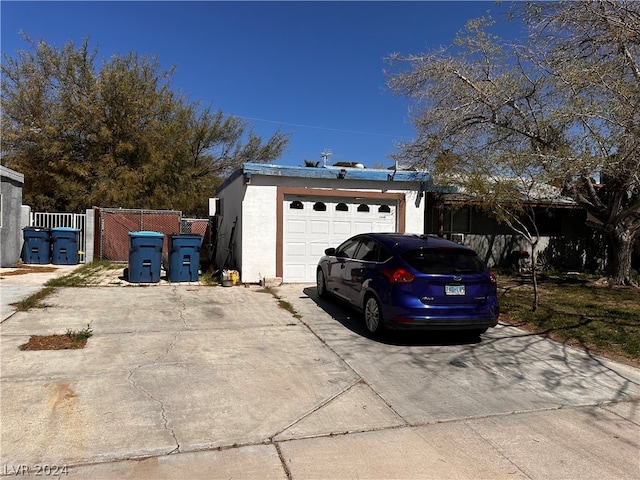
{"x": 330, "y": 251}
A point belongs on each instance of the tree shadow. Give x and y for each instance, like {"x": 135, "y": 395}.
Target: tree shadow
{"x": 352, "y": 319}
{"x": 529, "y": 366}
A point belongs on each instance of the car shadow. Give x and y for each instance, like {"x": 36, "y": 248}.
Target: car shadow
{"x": 352, "y": 319}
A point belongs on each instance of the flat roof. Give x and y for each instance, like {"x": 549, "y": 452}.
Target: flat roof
{"x": 545, "y": 196}
{"x": 332, "y": 172}
{"x": 12, "y": 174}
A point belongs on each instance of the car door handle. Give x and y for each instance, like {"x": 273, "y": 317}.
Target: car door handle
{"x": 343, "y": 266}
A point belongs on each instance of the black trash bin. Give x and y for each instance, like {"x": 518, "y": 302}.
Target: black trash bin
{"x": 64, "y": 245}
{"x": 184, "y": 258}
{"x": 37, "y": 247}
{"x": 145, "y": 256}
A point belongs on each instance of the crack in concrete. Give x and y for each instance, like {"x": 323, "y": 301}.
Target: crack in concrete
{"x": 285, "y": 467}
{"x": 318, "y": 407}
{"x": 182, "y": 309}
{"x": 163, "y": 412}
{"x": 177, "y": 333}
{"x": 497, "y": 449}
{"x": 277, "y": 443}
{"x": 131, "y": 380}
{"x": 360, "y": 378}
{"x": 605, "y": 406}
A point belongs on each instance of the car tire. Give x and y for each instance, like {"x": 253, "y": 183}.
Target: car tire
{"x": 373, "y": 320}
{"x": 321, "y": 284}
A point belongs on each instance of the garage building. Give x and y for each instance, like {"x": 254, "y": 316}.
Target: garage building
{"x": 276, "y": 221}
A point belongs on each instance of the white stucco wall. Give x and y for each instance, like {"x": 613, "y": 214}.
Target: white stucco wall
{"x": 259, "y": 211}
{"x": 414, "y": 221}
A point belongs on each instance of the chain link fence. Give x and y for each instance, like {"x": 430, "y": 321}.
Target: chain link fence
{"x": 116, "y": 223}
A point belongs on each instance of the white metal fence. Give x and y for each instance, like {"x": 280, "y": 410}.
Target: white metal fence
{"x": 69, "y": 220}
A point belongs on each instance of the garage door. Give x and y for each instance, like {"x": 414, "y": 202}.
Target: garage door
{"x": 313, "y": 224}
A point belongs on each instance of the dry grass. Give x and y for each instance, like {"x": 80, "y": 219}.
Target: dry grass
{"x": 599, "y": 318}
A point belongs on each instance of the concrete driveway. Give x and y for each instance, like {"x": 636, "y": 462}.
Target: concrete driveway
{"x": 189, "y": 381}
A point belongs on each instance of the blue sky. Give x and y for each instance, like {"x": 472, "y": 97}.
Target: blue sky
{"x": 311, "y": 69}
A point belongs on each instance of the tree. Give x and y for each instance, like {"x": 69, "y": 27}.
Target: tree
{"x": 115, "y": 136}
{"x": 514, "y": 199}
{"x": 560, "y": 110}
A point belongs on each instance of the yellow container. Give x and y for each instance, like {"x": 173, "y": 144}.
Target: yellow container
{"x": 234, "y": 276}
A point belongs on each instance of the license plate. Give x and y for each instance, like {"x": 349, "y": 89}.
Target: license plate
{"x": 454, "y": 290}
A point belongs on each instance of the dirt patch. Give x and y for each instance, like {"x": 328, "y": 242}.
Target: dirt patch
{"x": 25, "y": 269}
{"x": 53, "y": 342}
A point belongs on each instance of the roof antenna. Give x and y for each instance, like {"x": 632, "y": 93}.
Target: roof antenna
{"x": 325, "y": 156}
{"x": 391, "y": 176}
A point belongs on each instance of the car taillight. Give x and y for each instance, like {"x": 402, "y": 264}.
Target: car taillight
{"x": 398, "y": 275}
{"x": 493, "y": 279}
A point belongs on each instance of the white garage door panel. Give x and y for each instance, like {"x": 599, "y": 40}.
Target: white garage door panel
{"x": 342, "y": 228}
{"x": 362, "y": 227}
{"x": 309, "y": 232}
{"x": 297, "y": 226}
{"x": 297, "y": 249}
{"x": 294, "y": 271}
{"x": 317, "y": 249}
{"x": 319, "y": 227}
{"x": 383, "y": 227}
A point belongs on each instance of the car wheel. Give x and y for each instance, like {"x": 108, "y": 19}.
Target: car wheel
{"x": 373, "y": 315}
{"x": 321, "y": 284}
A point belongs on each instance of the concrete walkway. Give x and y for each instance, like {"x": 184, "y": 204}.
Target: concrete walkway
{"x": 189, "y": 381}
{"x": 16, "y": 285}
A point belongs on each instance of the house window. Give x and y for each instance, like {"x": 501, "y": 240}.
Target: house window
{"x": 319, "y": 207}
{"x": 296, "y": 205}
{"x": 342, "y": 207}
{"x": 363, "y": 208}
{"x": 384, "y": 209}
{"x": 458, "y": 220}
{"x": 550, "y": 222}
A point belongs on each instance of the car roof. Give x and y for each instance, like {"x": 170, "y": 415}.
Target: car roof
{"x": 407, "y": 241}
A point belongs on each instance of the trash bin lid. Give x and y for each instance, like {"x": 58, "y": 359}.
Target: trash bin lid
{"x": 185, "y": 235}
{"x": 36, "y": 229}
{"x": 146, "y": 234}
{"x": 65, "y": 229}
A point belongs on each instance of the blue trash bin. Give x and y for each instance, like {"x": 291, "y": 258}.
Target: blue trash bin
{"x": 64, "y": 245}
{"x": 145, "y": 256}
{"x": 184, "y": 258}
{"x": 37, "y": 247}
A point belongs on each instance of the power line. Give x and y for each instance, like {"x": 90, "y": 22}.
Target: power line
{"x": 316, "y": 127}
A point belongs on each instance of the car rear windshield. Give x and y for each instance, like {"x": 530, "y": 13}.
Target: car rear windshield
{"x": 444, "y": 261}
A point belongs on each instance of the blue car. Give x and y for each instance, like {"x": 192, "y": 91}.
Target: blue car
{"x": 403, "y": 281}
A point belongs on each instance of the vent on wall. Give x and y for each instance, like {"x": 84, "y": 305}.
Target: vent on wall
{"x": 215, "y": 207}
{"x": 457, "y": 237}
